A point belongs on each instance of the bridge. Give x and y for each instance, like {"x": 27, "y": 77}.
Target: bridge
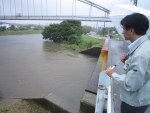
{"x": 9, "y": 11}
{"x": 81, "y": 18}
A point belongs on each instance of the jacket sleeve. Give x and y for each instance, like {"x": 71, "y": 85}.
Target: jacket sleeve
{"x": 135, "y": 76}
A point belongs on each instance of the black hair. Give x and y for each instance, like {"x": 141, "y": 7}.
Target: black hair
{"x": 137, "y": 21}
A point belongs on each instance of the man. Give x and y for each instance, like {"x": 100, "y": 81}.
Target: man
{"x": 135, "y": 81}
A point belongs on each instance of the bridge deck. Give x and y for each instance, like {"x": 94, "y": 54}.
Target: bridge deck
{"x": 81, "y": 18}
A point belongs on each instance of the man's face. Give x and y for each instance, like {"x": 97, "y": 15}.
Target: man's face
{"x": 126, "y": 33}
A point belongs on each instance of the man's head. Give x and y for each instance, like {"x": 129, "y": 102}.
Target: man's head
{"x": 137, "y": 22}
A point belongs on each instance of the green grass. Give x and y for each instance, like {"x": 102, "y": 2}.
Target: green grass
{"x": 20, "y": 32}
{"x": 0, "y": 95}
{"x": 86, "y": 42}
{"x": 3, "y": 109}
{"x": 24, "y": 107}
{"x": 92, "y": 42}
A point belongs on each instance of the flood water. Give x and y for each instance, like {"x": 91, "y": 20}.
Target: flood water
{"x": 33, "y": 67}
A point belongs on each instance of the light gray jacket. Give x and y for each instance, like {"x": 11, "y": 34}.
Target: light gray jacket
{"x": 135, "y": 81}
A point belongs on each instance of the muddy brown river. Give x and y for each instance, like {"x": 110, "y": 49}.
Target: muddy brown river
{"x": 33, "y": 67}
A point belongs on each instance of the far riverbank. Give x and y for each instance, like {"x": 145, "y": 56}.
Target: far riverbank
{"x": 86, "y": 41}
{"x": 19, "y": 32}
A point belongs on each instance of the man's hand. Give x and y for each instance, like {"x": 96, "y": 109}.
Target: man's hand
{"x": 109, "y": 71}
{"x": 123, "y": 58}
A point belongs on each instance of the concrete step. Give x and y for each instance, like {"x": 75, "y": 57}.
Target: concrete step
{"x": 51, "y": 102}
{"x": 9, "y": 101}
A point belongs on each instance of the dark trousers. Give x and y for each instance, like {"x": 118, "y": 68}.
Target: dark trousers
{"x": 125, "y": 108}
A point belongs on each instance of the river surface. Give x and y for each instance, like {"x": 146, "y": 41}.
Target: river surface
{"x": 33, "y": 67}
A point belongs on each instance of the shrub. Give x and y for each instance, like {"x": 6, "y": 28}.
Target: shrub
{"x": 69, "y": 31}
{"x": 74, "y": 39}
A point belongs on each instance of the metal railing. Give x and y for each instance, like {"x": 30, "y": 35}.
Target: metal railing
{"x": 104, "y": 93}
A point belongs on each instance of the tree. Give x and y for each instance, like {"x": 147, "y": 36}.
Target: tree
{"x": 12, "y": 27}
{"x": 86, "y": 29}
{"x": 51, "y": 32}
{"x": 68, "y": 30}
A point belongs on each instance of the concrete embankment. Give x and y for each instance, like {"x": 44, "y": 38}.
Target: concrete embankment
{"x": 95, "y": 51}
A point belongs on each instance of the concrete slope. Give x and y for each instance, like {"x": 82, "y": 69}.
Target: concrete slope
{"x": 95, "y": 51}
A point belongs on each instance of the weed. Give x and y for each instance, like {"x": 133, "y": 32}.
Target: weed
{"x": 0, "y": 95}
{"x": 24, "y": 107}
{"x": 85, "y": 43}
{"x": 3, "y": 109}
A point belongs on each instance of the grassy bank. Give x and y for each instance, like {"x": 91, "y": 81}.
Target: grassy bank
{"x": 86, "y": 43}
{"x": 0, "y": 96}
{"x": 117, "y": 37}
{"x": 20, "y": 32}
{"x": 23, "y": 107}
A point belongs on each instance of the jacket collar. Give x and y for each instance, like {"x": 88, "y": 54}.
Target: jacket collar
{"x": 138, "y": 43}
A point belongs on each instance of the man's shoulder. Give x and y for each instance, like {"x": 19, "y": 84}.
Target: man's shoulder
{"x": 144, "y": 49}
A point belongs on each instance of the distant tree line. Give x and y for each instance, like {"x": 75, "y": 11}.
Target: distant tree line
{"x": 22, "y": 27}
{"x": 104, "y": 31}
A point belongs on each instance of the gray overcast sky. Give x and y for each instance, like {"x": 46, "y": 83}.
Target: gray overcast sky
{"x": 49, "y": 8}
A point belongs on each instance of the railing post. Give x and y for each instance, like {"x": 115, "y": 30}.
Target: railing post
{"x": 109, "y": 100}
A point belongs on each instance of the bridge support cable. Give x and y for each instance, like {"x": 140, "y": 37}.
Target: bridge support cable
{"x": 56, "y": 8}
{"x": 3, "y": 8}
{"x": 75, "y": 7}
{"x": 28, "y": 8}
{"x": 95, "y": 5}
{"x": 72, "y": 7}
{"x": 33, "y": 8}
{"x": 10, "y": 8}
{"x": 41, "y": 9}
{"x": 21, "y": 8}
{"x": 60, "y": 7}
{"x": 46, "y": 8}
{"x": 15, "y": 6}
